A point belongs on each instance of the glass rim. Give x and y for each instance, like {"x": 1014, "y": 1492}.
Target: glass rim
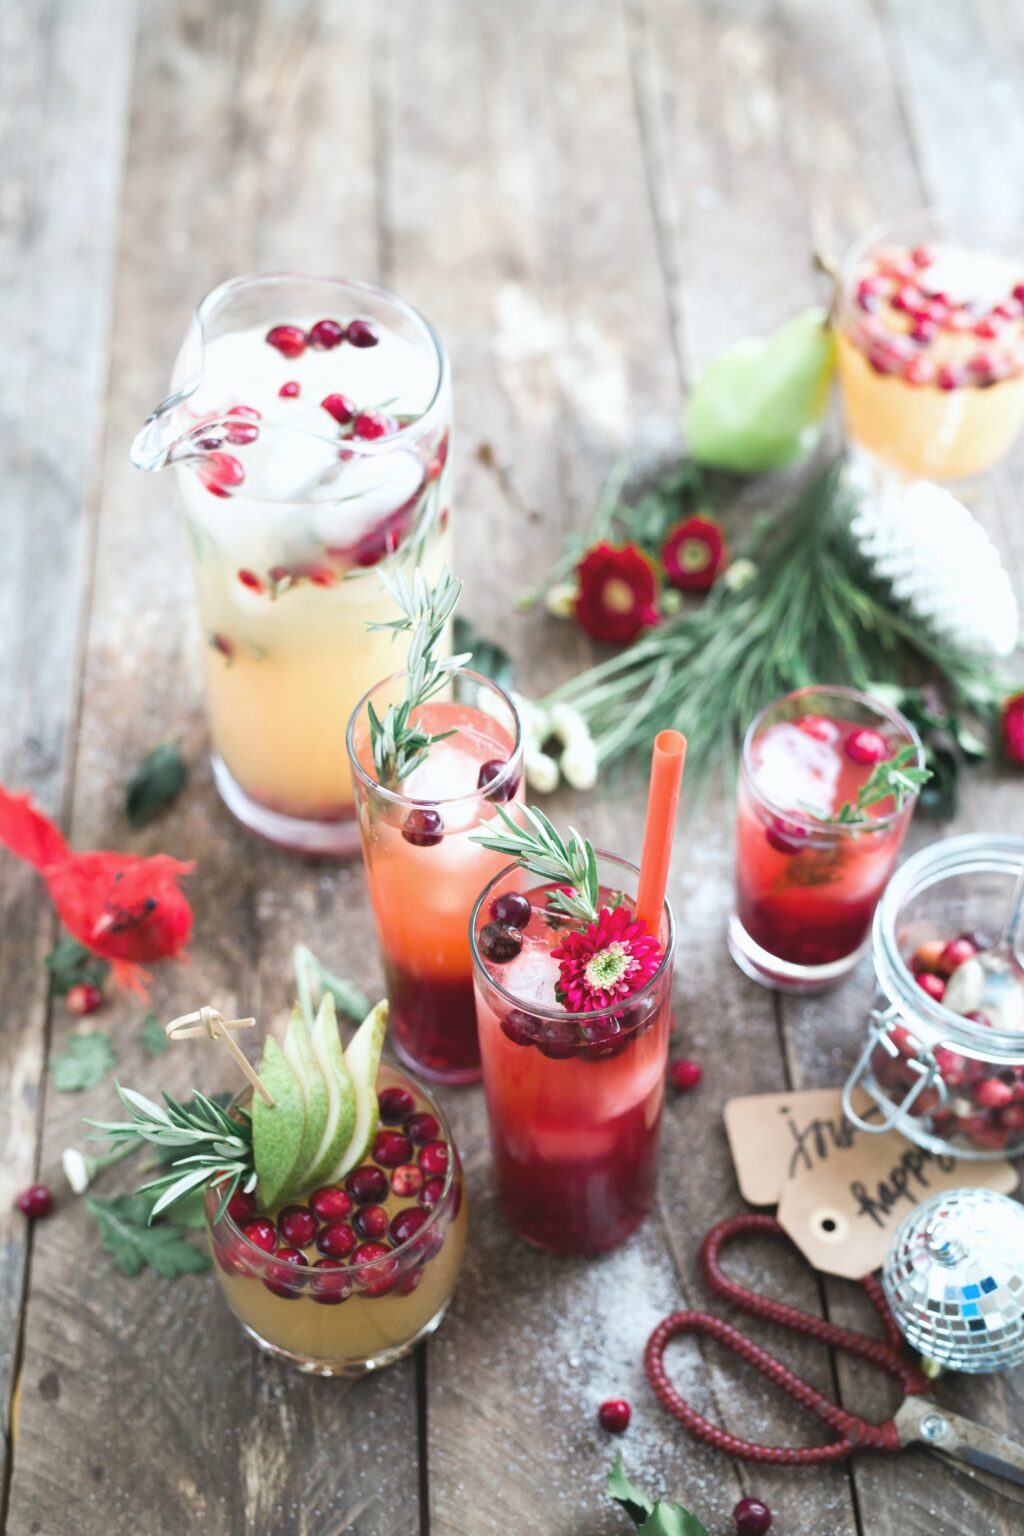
{"x": 433, "y": 1215}
{"x": 882, "y": 229}
{"x": 394, "y": 796}
{"x": 801, "y": 819}
{"x": 538, "y": 1010}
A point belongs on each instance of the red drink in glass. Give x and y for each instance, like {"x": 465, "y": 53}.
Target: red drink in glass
{"x": 807, "y": 888}
{"x": 574, "y": 1099}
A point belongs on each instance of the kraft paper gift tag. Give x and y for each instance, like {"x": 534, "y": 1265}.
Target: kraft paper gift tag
{"x": 776, "y": 1136}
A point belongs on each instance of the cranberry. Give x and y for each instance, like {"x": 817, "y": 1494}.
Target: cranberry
{"x": 330, "y": 1204}
{"x": 867, "y": 746}
{"x": 409, "y": 1281}
{"x": 431, "y": 1193}
{"x": 241, "y": 1207}
{"x": 290, "y": 389}
{"x": 614, "y": 1415}
{"x": 685, "y": 1074}
{"x": 406, "y": 1224}
{"x": 751, "y": 1517}
{"x": 331, "y": 1289}
{"x": 556, "y": 1039}
{"x": 921, "y": 256}
{"x": 926, "y": 956}
{"x": 261, "y": 1233}
{"x": 489, "y": 773}
{"x": 993, "y": 1093}
{"x": 952, "y": 1066}
{"x": 1012, "y": 1118}
{"x": 987, "y": 330}
{"x": 340, "y": 407}
{"x": 407, "y": 1180}
{"x": 499, "y": 942}
{"x": 423, "y": 827}
{"x": 290, "y": 340}
{"x": 83, "y": 998}
{"x": 948, "y": 377}
{"x": 326, "y": 334}
{"x": 990, "y": 1138}
{"x": 35, "y": 1201}
{"x": 367, "y": 1185}
{"x": 513, "y": 908}
{"x": 243, "y": 431}
{"x": 297, "y": 1225}
{"x": 924, "y": 331}
{"x": 371, "y": 424}
{"x": 371, "y": 1221}
{"x": 603, "y": 1037}
{"x": 379, "y": 1270}
{"x": 280, "y": 1277}
{"x": 919, "y": 370}
{"x": 818, "y": 726}
{"x": 336, "y": 1240}
{"x": 434, "y": 1157}
{"x": 361, "y": 333}
{"x": 518, "y": 1027}
{"x": 220, "y": 473}
{"x": 785, "y": 836}
{"x": 956, "y": 953}
{"x": 867, "y": 293}
{"x": 906, "y": 299}
{"x": 933, "y": 985}
{"x": 391, "y": 1148}
{"x": 422, "y": 1127}
{"x": 639, "y": 1015}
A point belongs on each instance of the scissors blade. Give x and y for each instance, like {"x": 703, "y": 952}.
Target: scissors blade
{"x": 981, "y": 1450}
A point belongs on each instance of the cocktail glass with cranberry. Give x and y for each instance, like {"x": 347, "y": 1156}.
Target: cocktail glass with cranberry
{"x": 574, "y": 1096}
{"x": 309, "y": 422}
{"x": 931, "y": 346}
{"x": 814, "y": 850}
{"x": 424, "y": 870}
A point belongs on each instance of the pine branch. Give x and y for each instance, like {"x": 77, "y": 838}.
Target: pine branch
{"x": 544, "y": 852}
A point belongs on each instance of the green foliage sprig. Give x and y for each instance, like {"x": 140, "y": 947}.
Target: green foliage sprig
{"x": 540, "y": 848}
{"x": 650, "y": 1518}
{"x": 894, "y": 779}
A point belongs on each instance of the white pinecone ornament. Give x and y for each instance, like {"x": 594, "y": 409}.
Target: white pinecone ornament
{"x": 941, "y": 565}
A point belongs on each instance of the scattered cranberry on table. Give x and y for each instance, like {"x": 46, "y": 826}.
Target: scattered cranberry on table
{"x": 614, "y": 1415}
{"x": 35, "y": 1201}
{"x": 751, "y": 1517}
{"x": 83, "y": 999}
{"x": 685, "y": 1074}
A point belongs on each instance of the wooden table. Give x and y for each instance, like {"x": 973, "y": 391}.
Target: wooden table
{"x": 589, "y": 198}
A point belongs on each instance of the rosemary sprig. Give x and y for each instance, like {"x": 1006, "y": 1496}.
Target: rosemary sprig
{"x": 893, "y": 779}
{"x": 218, "y": 1145}
{"x": 542, "y": 850}
{"x": 398, "y": 745}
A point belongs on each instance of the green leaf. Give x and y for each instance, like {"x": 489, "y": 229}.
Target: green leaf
{"x": 151, "y": 1036}
{"x": 158, "y": 780}
{"x": 633, "y": 1500}
{"x": 660, "y": 1519}
{"x": 758, "y": 404}
{"x": 84, "y": 1062}
{"x": 133, "y": 1244}
{"x": 70, "y": 964}
{"x": 489, "y": 657}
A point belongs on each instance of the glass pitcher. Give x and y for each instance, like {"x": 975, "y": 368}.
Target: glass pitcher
{"x": 309, "y": 423}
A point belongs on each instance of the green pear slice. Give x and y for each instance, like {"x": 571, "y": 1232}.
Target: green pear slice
{"x": 341, "y": 1095}
{"x": 362, "y": 1059}
{"x": 298, "y": 1051}
{"x": 278, "y": 1131}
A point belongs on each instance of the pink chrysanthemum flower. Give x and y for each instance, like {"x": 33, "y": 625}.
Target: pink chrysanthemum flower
{"x": 607, "y": 962}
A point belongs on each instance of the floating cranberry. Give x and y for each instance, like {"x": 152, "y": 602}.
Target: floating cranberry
{"x": 956, "y": 953}
{"x": 489, "y": 773}
{"x": 83, "y": 998}
{"x": 820, "y": 727}
{"x": 751, "y": 1517}
{"x": 330, "y": 1204}
{"x": 785, "y": 836}
{"x": 391, "y": 1148}
{"x": 993, "y": 1093}
{"x": 638, "y": 1016}
{"x": 290, "y": 390}
{"x": 407, "y": 1180}
{"x": 367, "y": 1185}
{"x": 512, "y": 908}
{"x": 409, "y": 1281}
{"x": 297, "y": 1225}
{"x": 933, "y": 985}
{"x": 614, "y": 1415}
{"x": 261, "y": 1233}
{"x": 336, "y": 1240}
{"x": 35, "y": 1201}
{"x": 379, "y": 1271}
{"x": 341, "y": 408}
{"x": 602, "y": 1037}
{"x": 406, "y": 1224}
{"x": 241, "y": 1207}
{"x": 431, "y": 1193}
{"x": 499, "y": 942}
{"x": 326, "y": 334}
{"x": 395, "y": 1104}
{"x": 244, "y": 431}
{"x": 220, "y": 473}
{"x": 332, "y": 1287}
{"x": 867, "y": 746}
{"x": 423, "y": 827}
{"x": 422, "y": 1127}
{"x": 361, "y": 333}
{"x": 371, "y": 424}
{"x": 290, "y": 340}
{"x": 370, "y": 1221}
{"x": 280, "y": 1277}
{"x": 556, "y": 1039}
{"x": 519, "y": 1027}
{"x": 685, "y": 1074}
{"x": 433, "y": 1158}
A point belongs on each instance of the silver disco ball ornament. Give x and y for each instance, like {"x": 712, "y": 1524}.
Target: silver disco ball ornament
{"x": 954, "y": 1280}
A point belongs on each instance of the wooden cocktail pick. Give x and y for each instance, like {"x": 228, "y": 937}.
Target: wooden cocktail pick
{"x": 211, "y": 1022}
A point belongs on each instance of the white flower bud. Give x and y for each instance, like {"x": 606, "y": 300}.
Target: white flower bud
{"x": 560, "y": 600}
{"x": 77, "y": 1169}
{"x": 671, "y": 601}
{"x": 541, "y": 772}
{"x": 579, "y": 764}
{"x": 568, "y": 725}
{"x": 737, "y": 575}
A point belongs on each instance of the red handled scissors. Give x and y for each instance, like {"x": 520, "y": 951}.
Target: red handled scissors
{"x": 918, "y": 1420}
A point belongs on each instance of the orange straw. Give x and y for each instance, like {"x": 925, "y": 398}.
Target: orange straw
{"x": 659, "y": 829}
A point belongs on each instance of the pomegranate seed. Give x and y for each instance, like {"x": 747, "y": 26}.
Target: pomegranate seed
{"x": 331, "y": 1289}
{"x": 407, "y": 1180}
{"x": 370, "y": 1221}
{"x": 326, "y": 334}
{"x": 614, "y": 1415}
{"x": 35, "y": 1201}
{"x": 290, "y": 340}
{"x": 241, "y": 1207}
{"x": 371, "y": 424}
{"x": 297, "y": 1225}
{"x": 83, "y": 998}
{"x": 340, "y": 407}
{"x": 391, "y": 1148}
{"x": 933, "y": 985}
{"x": 261, "y": 1233}
{"x": 422, "y": 1127}
{"x": 513, "y": 909}
{"x": 361, "y": 333}
{"x": 948, "y": 378}
{"x": 518, "y": 1027}
{"x": 367, "y": 1185}
{"x": 220, "y": 473}
{"x": 336, "y": 1240}
{"x": 406, "y": 1224}
{"x": 279, "y": 1280}
{"x": 330, "y": 1204}
{"x": 423, "y": 827}
{"x": 993, "y": 1093}
{"x": 319, "y": 575}
{"x": 751, "y": 1517}
{"x": 290, "y": 390}
{"x": 223, "y": 644}
{"x": 955, "y": 954}
{"x": 395, "y": 1104}
{"x": 492, "y": 771}
{"x": 867, "y": 746}
{"x": 919, "y": 370}
{"x": 434, "y": 1157}
{"x": 685, "y": 1074}
{"x": 431, "y": 1193}
{"x": 926, "y": 956}
{"x": 499, "y": 942}
{"x": 251, "y": 580}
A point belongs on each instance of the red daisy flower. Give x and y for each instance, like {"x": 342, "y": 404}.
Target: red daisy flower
{"x": 618, "y": 588}
{"x": 1013, "y": 727}
{"x": 606, "y": 962}
{"x": 693, "y": 554}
